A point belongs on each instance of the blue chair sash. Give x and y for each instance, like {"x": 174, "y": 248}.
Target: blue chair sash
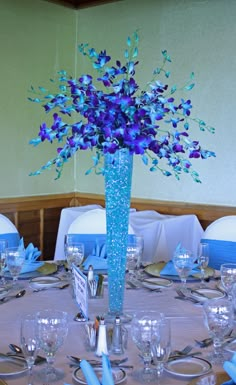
{"x": 220, "y": 252}
{"x": 12, "y": 238}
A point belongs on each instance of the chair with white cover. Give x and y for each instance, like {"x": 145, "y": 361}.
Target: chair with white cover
{"x": 221, "y": 237}
{"x": 90, "y": 229}
{"x": 9, "y": 231}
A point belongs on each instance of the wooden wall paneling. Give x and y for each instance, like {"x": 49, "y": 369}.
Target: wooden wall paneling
{"x": 37, "y": 218}
{"x": 51, "y": 222}
{"x": 29, "y": 227}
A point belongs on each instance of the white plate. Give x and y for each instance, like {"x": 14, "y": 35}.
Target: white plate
{"x": 153, "y": 283}
{"x": 207, "y": 294}
{"x": 188, "y": 367}
{"x": 11, "y": 366}
{"x": 119, "y": 375}
{"x": 44, "y": 281}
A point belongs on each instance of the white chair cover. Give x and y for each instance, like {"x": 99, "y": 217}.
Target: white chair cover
{"x": 223, "y": 229}
{"x": 221, "y": 237}
{"x": 9, "y": 231}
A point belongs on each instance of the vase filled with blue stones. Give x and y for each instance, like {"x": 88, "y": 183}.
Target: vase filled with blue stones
{"x": 118, "y": 169}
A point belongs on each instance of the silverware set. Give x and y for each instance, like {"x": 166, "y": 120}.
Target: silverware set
{"x": 185, "y": 297}
{"x": 75, "y": 361}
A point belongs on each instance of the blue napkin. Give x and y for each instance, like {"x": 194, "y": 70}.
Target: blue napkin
{"x": 90, "y": 376}
{"x": 230, "y": 368}
{"x": 98, "y": 257}
{"x": 169, "y": 269}
{"x": 107, "y": 378}
{"x": 31, "y": 255}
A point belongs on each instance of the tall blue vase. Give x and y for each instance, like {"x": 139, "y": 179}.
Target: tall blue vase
{"x": 118, "y": 179}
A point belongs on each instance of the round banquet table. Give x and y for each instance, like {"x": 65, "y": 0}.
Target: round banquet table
{"x": 187, "y": 324}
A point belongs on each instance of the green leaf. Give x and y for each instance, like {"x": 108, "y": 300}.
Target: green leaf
{"x": 128, "y": 41}
{"x": 135, "y": 54}
{"x": 190, "y": 86}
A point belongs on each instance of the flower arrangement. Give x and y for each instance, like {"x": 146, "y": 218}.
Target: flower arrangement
{"x": 116, "y": 115}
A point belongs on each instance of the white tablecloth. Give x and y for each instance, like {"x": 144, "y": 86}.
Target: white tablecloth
{"x": 161, "y": 233}
{"x": 187, "y": 324}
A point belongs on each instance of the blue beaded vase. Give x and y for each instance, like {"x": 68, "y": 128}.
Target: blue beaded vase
{"x": 118, "y": 179}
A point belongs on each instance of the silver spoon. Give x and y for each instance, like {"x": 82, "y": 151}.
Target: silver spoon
{"x": 20, "y": 294}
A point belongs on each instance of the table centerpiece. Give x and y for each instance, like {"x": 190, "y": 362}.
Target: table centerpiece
{"x": 118, "y": 120}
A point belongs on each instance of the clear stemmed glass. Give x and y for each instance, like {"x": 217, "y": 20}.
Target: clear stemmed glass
{"x": 228, "y": 277}
{"x": 203, "y": 260}
{"x": 161, "y": 345}
{"x": 15, "y": 258}
{"x": 183, "y": 261}
{"x": 144, "y": 328}
{"x": 52, "y": 329}
{"x": 219, "y": 321}
{"x": 3, "y": 246}
{"x": 132, "y": 260}
{"x": 74, "y": 253}
{"x": 29, "y": 342}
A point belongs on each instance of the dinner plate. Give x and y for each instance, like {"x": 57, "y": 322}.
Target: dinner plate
{"x": 188, "y": 367}
{"x": 44, "y": 281}
{"x": 203, "y": 294}
{"x": 152, "y": 283}
{"x": 119, "y": 375}
{"x": 11, "y": 366}
{"x": 155, "y": 269}
{"x": 210, "y": 379}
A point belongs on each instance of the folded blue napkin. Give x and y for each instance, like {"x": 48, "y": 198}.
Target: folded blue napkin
{"x": 230, "y": 368}
{"x": 31, "y": 255}
{"x": 90, "y": 376}
{"x": 98, "y": 258}
{"x": 169, "y": 269}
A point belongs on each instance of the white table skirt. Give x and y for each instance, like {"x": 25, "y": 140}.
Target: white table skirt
{"x": 187, "y": 324}
{"x": 161, "y": 233}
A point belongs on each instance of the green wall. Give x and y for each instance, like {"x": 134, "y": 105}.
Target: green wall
{"x": 39, "y": 38}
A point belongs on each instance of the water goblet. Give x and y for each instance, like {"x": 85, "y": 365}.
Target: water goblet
{"x": 15, "y": 258}
{"x": 74, "y": 253}
{"x": 29, "y": 342}
{"x": 183, "y": 262}
{"x": 161, "y": 345}
{"x": 132, "y": 260}
{"x": 219, "y": 321}
{"x": 3, "y": 246}
{"x": 52, "y": 329}
{"x": 203, "y": 260}
{"x": 228, "y": 277}
{"x": 144, "y": 328}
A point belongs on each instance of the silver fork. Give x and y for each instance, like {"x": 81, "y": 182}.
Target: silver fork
{"x": 185, "y": 297}
{"x": 184, "y": 351}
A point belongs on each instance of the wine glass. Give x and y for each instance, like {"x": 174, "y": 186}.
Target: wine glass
{"x": 74, "y": 253}
{"x": 15, "y": 258}
{"x": 183, "y": 262}
{"x": 132, "y": 259}
{"x": 161, "y": 345}
{"x": 3, "y": 246}
{"x": 144, "y": 328}
{"x": 203, "y": 260}
{"x": 228, "y": 277}
{"x": 219, "y": 321}
{"x": 29, "y": 342}
{"x": 52, "y": 329}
